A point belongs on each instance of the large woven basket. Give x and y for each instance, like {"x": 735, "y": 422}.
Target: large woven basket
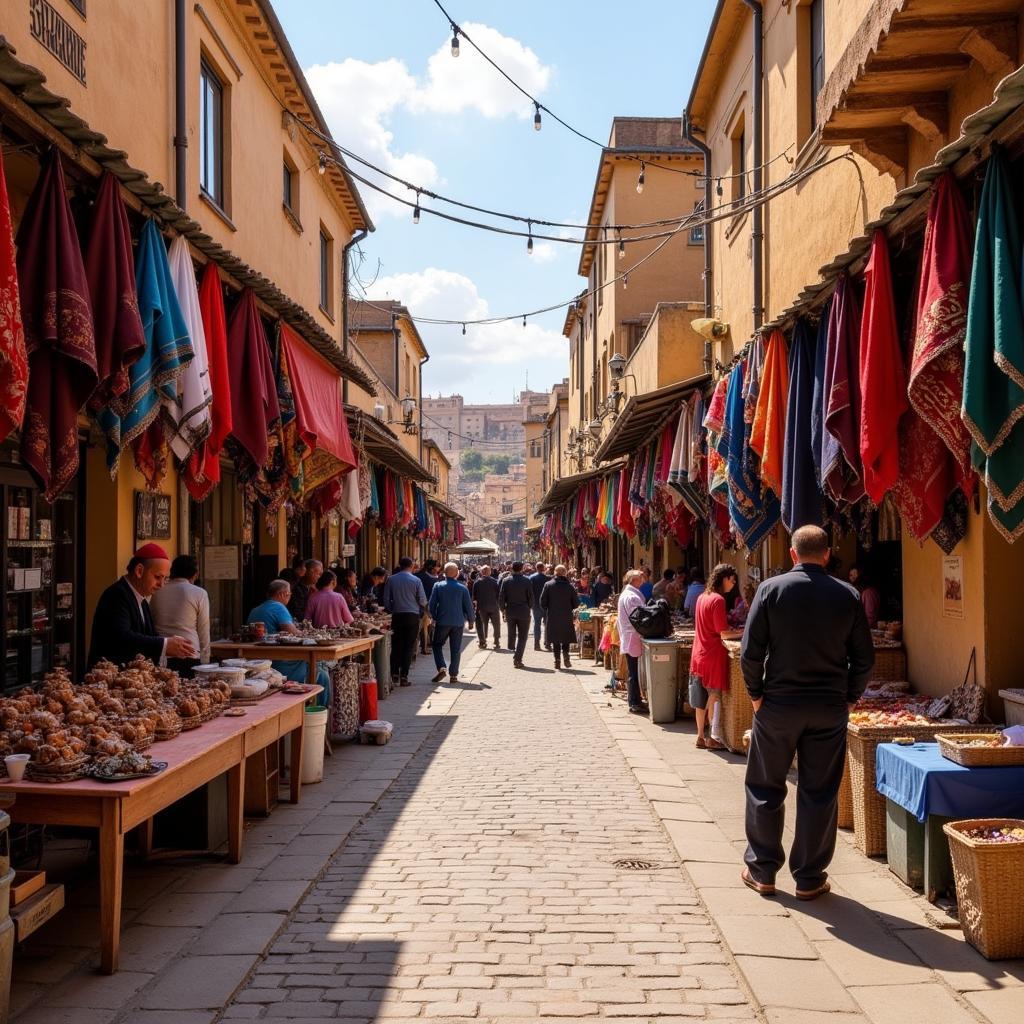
{"x": 868, "y": 804}
{"x": 951, "y": 747}
{"x": 737, "y": 714}
{"x": 989, "y": 888}
{"x": 890, "y": 664}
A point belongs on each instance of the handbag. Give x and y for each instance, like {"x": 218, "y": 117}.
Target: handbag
{"x": 653, "y": 621}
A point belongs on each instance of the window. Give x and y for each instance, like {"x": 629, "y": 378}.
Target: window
{"x": 817, "y": 54}
{"x": 290, "y": 186}
{"x": 286, "y": 193}
{"x": 697, "y": 231}
{"x": 211, "y": 134}
{"x": 738, "y": 139}
{"x": 326, "y": 277}
{"x": 535, "y": 450}
{"x": 506, "y": 508}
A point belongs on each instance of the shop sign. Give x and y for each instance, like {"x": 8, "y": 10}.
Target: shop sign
{"x": 953, "y": 587}
{"x": 348, "y": 550}
{"x": 221, "y": 562}
{"x": 50, "y": 29}
{"x": 152, "y": 516}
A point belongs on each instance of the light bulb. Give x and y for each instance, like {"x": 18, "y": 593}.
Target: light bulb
{"x": 524, "y": 321}
{"x": 718, "y": 187}
{"x": 622, "y": 247}
{"x": 529, "y": 246}
{"x": 463, "y": 330}
{"x": 640, "y": 180}
{"x": 625, "y": 281}
{"x": 416, "y": 213}
{"x": 322, "y": 164}
{"x": 455, "y": 41}
{"x": 536, "y": 117}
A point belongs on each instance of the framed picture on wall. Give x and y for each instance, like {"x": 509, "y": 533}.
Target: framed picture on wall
{"x": 143, "y": 515}
{"x": 162, "y": 516}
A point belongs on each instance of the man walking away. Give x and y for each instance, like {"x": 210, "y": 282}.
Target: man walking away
{"x": 807, "y": 657}
{"x": 629, "y": 639}
{"x": 180, "y": 608}
{"x": 515, "y": 599}
{"x": 451, "y": 608}
{"x": 559, "y": 599}
{"x": 428, "y": 577}
{"x": 485, "y": 597}
{"x": 538, "y": 581}
{"x": 406, "y": 600}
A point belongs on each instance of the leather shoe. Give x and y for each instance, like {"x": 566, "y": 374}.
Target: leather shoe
{"x": 441, "y": 673}
{"x": 761, "y": 888}
{"x": 639, "y": 709}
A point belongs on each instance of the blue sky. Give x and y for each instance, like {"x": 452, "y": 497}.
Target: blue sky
{"x": 386, "y": 81}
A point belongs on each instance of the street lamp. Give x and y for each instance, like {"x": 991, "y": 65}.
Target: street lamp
{"x": 617, "y": 366}
{"x": 595, "y": 428}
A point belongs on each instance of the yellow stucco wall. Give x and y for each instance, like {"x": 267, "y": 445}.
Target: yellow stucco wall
{"x": 670, "y": 350}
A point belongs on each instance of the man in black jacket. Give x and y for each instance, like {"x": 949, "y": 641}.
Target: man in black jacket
{"x": 515, "y": 598}
{"x": 807, "y": 657}
{"x": 428, "y": 577}
{"x": 122, "y": 626}
{"x": 485, "y": 597}
{"x": 538, "y": 581}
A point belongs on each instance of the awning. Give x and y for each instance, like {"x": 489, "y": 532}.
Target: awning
{"x": 316, "y": 391}
{"x": 565, "y": 487}
{"x": 642, "y": 416}
{"x": 475, "y": 547}
{"x": 382, "y": 445}
{"x": 445, "y": 510}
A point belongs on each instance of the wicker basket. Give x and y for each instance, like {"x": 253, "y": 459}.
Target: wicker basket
{"x": 951, "y": 747}
{"x": 890, "y": 664}
{"x": 989, "y": 888}
{"x": 191, "y": 723}
{"x": 169, "y": 734}
{"x": 63, "y": 771}
{"x": 869, "y": 823}
{"x": 737, "y": 714}
{"x": 144, "y": 744}
{"x": 846, "y": 797}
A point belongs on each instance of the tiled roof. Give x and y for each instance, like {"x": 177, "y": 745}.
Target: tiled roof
{"x": 642, "y": 133}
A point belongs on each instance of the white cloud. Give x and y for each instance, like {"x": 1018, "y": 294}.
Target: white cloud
{"x": 481, "y": 356}
{"x": 545, "y": 252}
{"x": 359, "y": 100}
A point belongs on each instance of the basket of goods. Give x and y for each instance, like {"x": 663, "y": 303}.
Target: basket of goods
{"x": 988, "y": 865}
{"x": 126, "y": 766}
{"x": 866, "y": 730}
{"x": 979, "y": 749}
{"x": 737, "y": 713}
{"x": 890, "y": 660}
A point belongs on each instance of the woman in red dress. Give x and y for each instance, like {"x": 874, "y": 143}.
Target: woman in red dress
{"x": 709, "y": 664}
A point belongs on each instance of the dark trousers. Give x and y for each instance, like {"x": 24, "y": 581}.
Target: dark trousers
{"x": 485, "y": 619}
{"x": 633, "y": 695}
{"x": 817, "y": 735}
{"x": 183, "y": 666}
{"x": 405, "y": 631}
{"x": 540, "y": 620}
{"x": 453, "y": 634}
{"x": 561, "y": 652}
{"x": 517, "y": 630}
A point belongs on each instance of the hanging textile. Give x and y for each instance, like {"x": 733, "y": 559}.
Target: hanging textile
{"x": 883, "y": 380}
{"x": 768, "y": 432}
{"x": 13, "y": 357}
{"x": 993, "y": 400}
{"x": 254, "y": 404}
{"x": 190, "y": 413}
{"x": 840, "y": 462}
{"x": 110, "y": 270}
{"x": 287, "y": 460}
{"x": 203, "y": 472}
{"x": 157, "y": 377}
{"x": 751, "y": 393}
{"x": 59, "y": 339}
{"x": 350, "y": 507}
{"x": 818, "y": 393}
{"x": 624, "y": 521}
{"x": 801, "y": 496}
{"x": 752, "y": 514}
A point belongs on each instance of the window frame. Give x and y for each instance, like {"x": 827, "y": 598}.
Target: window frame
{"x": 326, "y": 253}
{"x": 696, "y": 233}
{"x": 212, "y": 138}
{"x": 816, "y": 57}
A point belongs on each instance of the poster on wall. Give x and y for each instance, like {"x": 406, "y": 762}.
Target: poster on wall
{"x": 953, "y": 587}
{"x": 222, "y": 562}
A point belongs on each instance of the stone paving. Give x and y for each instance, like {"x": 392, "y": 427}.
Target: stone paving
{"x": 472, "y": 870}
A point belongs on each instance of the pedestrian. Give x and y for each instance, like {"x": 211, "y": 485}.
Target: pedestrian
{"x": 371, "y": 588}
{"x": 709, "y": 661}
{"x": 303, "y": 589}
{"x": 694, "y": 589}
{"x": 538, "y": 581}
{"x": 451, "y": 608}
{"x": 428, "y": 577}
{"x": 630, "y": 599}
{"x": 485, "y": 597}
{"x": 583, "y": 589}
{"x": 663, "y": 588}
{"x": 559, "y": 600}
{"x": 294, "y": 571}
{"x": 807, "y": 656}
{"x": 647, "y": 587}
{"x": 347, "y": 587}
{"x": 122, "y": 626}
{"x": 327, "y": 607}
{"x": 515, "y": 599}
{"x": 603, "y": 589}
{"x": 180, "y": 608}
{"x": 406, "y": 600}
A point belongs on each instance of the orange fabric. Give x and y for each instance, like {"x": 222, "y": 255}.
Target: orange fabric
{"x": 768, "y": 432}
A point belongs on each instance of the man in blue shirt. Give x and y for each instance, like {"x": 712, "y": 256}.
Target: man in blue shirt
{"x": 406, "y": 600}
{"x": 451, "y": 608}
{"x": 537, "y": 582}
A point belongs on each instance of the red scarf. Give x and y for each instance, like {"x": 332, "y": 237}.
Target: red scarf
{"x": 13, "y": 358}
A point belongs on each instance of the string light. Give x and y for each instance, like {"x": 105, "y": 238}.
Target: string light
{"x": 463, "y": 334}
{"x": 625, "y": 281}
{"x": 718, "y": 187}
{"x": 622, "y": 247}
{"x": 524, "y": 321}
{"x": 455, "y": 40}
{"x": 416, "y": 210}
{"x": 536, "y": 116}
{"x": 640, "y": 180}
{"x": 529, "y": 242}
{"x": 322, "y": 164}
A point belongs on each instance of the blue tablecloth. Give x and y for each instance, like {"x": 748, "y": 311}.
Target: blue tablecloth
{"x": 922, "y": 781}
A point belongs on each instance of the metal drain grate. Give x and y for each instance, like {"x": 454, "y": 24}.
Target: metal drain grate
{"x": 629, "y": 864}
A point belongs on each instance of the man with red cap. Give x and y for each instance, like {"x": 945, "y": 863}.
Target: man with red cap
{"x": 123, "y": 625}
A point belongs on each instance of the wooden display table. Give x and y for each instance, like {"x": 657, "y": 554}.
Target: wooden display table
{"x": 311, "y": 654}
{"x": 193, "y": 758}
{"x": 594, "y": 625}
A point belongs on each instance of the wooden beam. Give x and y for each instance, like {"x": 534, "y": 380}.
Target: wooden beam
{"x": 884, "y": 148}
{"x": 919, "y": 64}
{"x": 859, "y": 101}
{"x": 993, "y": 47}
{"x": 929, "y": 120}
{"x": 937, "y": 22}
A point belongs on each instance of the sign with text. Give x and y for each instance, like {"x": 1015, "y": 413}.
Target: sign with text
{"x": 221, "y": 562}
{"x": 50, "y": 29}
{"x": 952, "y": 587}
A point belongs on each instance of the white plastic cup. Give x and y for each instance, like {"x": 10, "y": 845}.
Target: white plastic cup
{"x": 16, "y": 765}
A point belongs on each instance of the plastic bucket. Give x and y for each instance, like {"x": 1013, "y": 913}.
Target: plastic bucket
{"x": 367, "y": 700}
{"x": 314, "y": 728}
